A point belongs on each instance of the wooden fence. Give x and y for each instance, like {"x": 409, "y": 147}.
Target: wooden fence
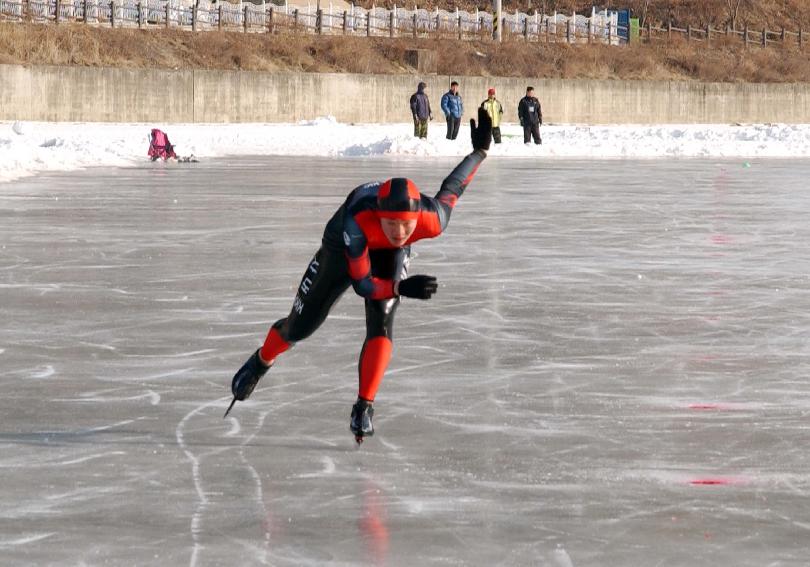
{"x": 746, "y": 36}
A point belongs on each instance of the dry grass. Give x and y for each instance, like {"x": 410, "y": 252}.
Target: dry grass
{"x": 82, "y": 45}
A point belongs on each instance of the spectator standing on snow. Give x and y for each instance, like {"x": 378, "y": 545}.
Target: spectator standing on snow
{"x": 453, "y": 108}
{"x": 495, "y": 110}
{"x": 420, "y": 108}
{"x": 531, "y": 116}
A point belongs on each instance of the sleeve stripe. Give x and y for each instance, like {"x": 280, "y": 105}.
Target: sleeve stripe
{"x": 359, "y": 267}
{"x": 470, "y": 176}
{"x": 383, "y": 289}
{"x": 449, "y": 200}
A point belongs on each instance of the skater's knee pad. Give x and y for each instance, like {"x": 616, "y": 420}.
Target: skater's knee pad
{"x": 380, "y": 317}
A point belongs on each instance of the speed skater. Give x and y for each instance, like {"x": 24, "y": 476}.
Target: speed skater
{"x": 367, "y": 244}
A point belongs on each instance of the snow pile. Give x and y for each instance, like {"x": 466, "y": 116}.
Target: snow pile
{"x": 30, "y": 147}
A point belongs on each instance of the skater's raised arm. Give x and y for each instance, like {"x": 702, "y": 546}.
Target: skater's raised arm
{"x": 454, "y": 184}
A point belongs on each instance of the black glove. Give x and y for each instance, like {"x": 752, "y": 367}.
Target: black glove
{"x": 420, "y": 287}
{"x": 482, "y": 134}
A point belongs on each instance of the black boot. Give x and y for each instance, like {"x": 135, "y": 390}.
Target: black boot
{"x": 360, "y": 424}
{"x": 247, "y": 377}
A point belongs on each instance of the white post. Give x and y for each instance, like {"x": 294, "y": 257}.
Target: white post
{"x": 614, "y": 24}
{"x": 573, "y": 26}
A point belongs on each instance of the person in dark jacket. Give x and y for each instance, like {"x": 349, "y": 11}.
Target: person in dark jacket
{"x": 366, "y": 245}
{"x": 420, "y": 108}
{"x": 453, "y": 108}
{"x": 531, "y": 116}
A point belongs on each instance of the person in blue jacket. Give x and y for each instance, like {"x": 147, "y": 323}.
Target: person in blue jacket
{"x": 453, "y": 108}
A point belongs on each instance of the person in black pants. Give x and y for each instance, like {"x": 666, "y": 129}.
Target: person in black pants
{"x": 453, "y": 108}
{"x": 366, "y": 245}
{"x": 531, "y": 116}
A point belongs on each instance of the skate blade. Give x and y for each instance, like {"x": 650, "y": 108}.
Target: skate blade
{"x": 358, "y": 439}
{"x": 229, "y": 408}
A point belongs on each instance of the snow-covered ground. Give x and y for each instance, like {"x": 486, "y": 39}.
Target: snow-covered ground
{"x": 29, "y": 147}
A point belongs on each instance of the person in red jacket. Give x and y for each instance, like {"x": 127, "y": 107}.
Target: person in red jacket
{"x": 366, "y": 245}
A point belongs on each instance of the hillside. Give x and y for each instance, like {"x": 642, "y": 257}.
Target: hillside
{"x": 725, "y": 61}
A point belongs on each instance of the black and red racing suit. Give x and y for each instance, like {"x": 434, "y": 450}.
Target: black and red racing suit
{"x": 356, "y": 252}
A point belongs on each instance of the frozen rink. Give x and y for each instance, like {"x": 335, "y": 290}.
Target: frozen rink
{"x": 613, "y": 373}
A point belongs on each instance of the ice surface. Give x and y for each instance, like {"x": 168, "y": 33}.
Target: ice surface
{"x": 613, "y": 373}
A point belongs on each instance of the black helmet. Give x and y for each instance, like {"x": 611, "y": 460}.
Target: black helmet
{"x": 399, "y": 198}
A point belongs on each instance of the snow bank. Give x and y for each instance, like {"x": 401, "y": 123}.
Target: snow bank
{"x": 30, "y": 147}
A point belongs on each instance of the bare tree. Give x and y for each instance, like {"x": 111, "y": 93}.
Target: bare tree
{"x": 644, "y": 12}
{"x": 733, "y": 11}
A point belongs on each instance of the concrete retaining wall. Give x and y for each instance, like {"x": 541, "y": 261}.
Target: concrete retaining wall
{"x": 141, "y": 95}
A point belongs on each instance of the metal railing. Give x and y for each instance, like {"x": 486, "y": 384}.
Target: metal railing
{"x": 599, "y": 27}
{"x": 270, "y": 18}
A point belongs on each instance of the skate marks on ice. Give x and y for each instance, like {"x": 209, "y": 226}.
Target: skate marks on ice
{"x": 102, "y": 396}
{"x": 625, "y": 382}
{"x": 59, "y": 479}
{"x": 265, "y": 494}
{"x": 219, "y": 495}
{"x": 225, "y": 476}
{"x": 662, "y": 354}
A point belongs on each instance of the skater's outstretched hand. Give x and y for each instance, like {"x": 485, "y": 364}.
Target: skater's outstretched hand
{"x": 419, "y": 287}
{"x": 481, "y": 134}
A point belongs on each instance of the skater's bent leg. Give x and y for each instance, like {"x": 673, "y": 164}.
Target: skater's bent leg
{"x": 378, "y": 346}
{"x": 323, "y": 283}
{"x": 374, "y": 360}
